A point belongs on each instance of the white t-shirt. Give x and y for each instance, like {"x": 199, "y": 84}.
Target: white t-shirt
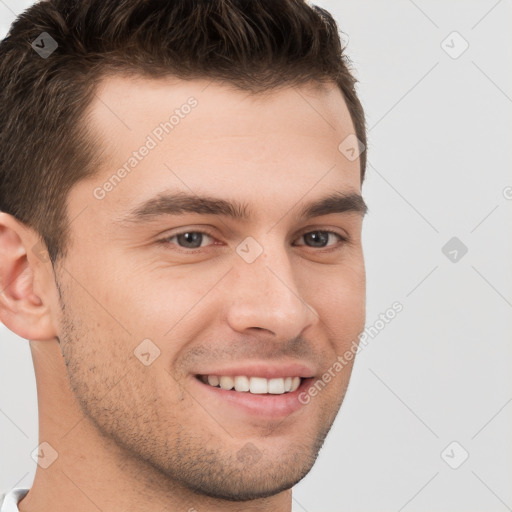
{"x": 9, "y": 503}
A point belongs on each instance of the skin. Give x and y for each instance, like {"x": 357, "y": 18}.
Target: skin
{"x": 136, "y": 437}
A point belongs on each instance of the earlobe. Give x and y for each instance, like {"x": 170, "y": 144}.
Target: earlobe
{"x": 21, "y": 309}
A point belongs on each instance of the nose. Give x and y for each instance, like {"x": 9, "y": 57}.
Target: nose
{"x": 265, "y": 295}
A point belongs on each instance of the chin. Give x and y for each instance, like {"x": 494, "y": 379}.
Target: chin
{"x": 252, "y": 485}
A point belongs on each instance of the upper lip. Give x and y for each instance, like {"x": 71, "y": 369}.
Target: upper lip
{"x": 263, "y": 369}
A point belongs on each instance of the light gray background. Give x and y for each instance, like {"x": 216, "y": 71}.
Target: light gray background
{"x": 440, "y": 134}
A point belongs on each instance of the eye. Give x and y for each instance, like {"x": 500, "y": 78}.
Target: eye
{"x": 189, "y": 239}
{"x": 320, "y": 239}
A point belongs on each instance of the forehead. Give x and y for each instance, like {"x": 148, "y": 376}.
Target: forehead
{"x": 131, "y": 101}
{"x": 204, "y": 137}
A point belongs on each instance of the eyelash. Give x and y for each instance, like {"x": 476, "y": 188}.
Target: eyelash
{"x": 167, "y": 241}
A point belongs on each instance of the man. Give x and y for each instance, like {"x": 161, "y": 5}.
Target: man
{"x": 180, "y": 241}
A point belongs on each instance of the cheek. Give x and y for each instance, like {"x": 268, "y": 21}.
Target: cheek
{"x": 162, "y": 298}
{"x": 339, "y": 297}
{"x": 96, "y": 342}
{"x": 109, "y": 380}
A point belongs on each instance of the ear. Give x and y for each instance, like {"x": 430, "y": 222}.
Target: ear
{"x": 28, "y": 292}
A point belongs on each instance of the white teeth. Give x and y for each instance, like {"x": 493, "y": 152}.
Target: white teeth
{"x": 255, "y": 385}
{"x": 227, "y": 382}
{"x": 258, "y": 385}
{"x": 213, "y": 380}
{"x": 242, "y": 383}
{"x": 276, "y": 386}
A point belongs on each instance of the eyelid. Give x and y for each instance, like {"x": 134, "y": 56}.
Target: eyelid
{"x": 202, "y": 230}
{"x": 343, "y": 238}
{"x": 337, "y": 231}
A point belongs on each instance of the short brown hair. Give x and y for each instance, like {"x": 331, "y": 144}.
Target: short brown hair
{"x": 45, "y": 144}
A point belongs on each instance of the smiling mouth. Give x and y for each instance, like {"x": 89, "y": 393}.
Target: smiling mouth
{"x": 253, "y": 385}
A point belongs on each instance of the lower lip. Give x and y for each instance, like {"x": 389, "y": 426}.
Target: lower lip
{"x": 268, "y": 406}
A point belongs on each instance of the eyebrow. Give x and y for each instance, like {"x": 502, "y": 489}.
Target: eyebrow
{"x": 181, "y": 203}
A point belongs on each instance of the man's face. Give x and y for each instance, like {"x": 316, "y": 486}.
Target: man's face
{"x": 150, "y": 311}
